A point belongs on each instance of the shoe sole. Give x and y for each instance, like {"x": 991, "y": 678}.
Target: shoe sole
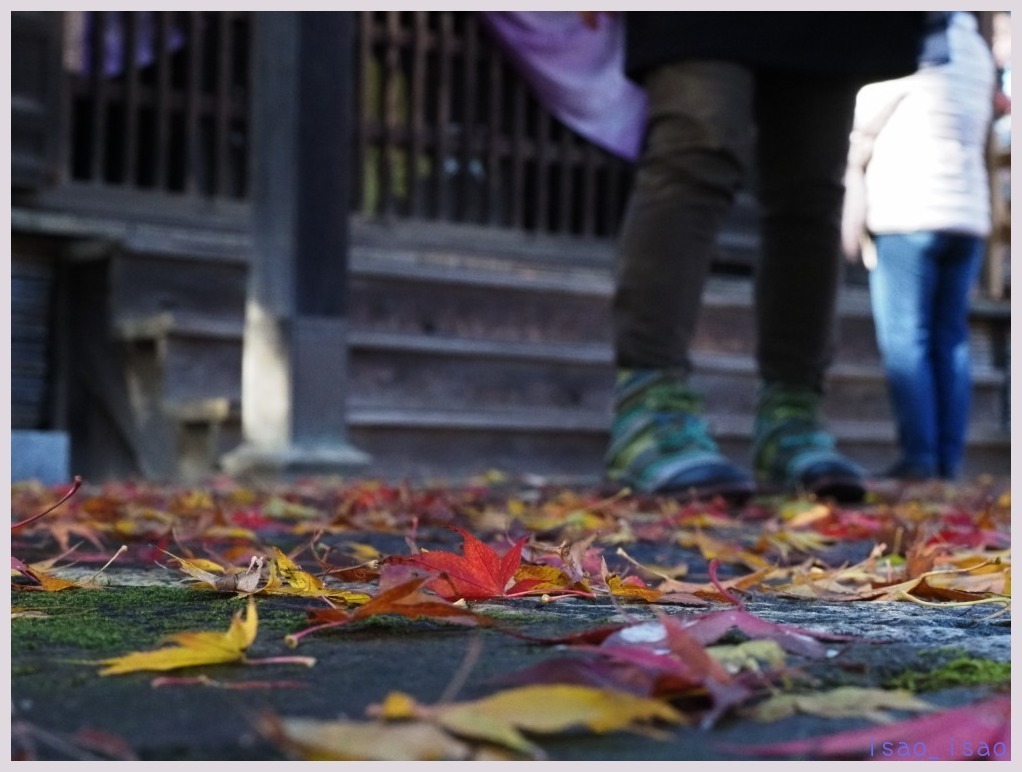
{"x": 842, "y": 489}
{"x": 733, "y": 492}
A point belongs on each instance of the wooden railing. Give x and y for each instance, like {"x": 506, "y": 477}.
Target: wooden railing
{"x": 448, "y": 131}
{"x": 159, "y": 101}
{"x": 444, "y": 129}
{"x": 996, "y": 273}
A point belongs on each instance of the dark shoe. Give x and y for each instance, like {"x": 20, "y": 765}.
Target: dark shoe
{"x": 659, "y": 443}
{"x": 792, "y": 451}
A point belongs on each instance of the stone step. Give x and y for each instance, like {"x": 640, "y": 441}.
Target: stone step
{"x": 199, "y": 355}
{"x": 388, "y": 369}
{"x": 460, "y": 358}
{"x": 452, "y": 294}
{"x": 206, "y": 429}
{"x": 192, "y": 273}
{"x": 424, "y": 444}
{"x": 201, "y": 358}
{"x": 476, "y": 388}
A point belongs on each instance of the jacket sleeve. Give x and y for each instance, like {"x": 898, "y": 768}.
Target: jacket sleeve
{"x": 873, "y": 106}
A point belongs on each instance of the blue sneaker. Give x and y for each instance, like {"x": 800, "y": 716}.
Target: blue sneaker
{"x": 660, "y": 444}
{"x": 791, "y": 450}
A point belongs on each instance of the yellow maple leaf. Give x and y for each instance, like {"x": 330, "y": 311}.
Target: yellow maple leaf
{"x": 748, "y": 655}
{"x": 293, "y": 575}
{"x": 725, "y": 551}
{"x": 364, "y": 740}
{"x": 274, "y": 575}
{"x": 842, "y": 702}
{"x": 194, "y": 648}
{"x": 288, "y": 578}
{"x": 542, "y": 709}
{"x": 47, "y": 582}
{"x": 619, "y": 588}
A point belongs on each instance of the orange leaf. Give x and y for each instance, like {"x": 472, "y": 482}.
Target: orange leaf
{"x": 549, "y": 580}
{"x": 409, "y": 600}
{"x": 631, "y": 589}
{"x": 477, "y": 574}
{"x": 406, "y": 599}
{"x": 46, "y": 582}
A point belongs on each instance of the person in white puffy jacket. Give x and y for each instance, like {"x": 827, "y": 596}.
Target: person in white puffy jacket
{"x": 921, "y": 142}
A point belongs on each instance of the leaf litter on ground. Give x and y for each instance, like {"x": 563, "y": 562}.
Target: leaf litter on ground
{"x": 948, "y": 553}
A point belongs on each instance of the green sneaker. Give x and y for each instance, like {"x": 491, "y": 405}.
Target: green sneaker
{"x": 659, "y": 443}
{"x": 792, "y": 450}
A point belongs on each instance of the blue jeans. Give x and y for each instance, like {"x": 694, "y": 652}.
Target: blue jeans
{"x": 920, "y": 296}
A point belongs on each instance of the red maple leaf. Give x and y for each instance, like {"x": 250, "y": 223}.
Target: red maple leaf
{"x": 478, "y": 573}
{"x": 983, "y": 730}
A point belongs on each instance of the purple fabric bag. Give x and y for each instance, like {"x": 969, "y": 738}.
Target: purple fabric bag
{"x": 577, "y": 73}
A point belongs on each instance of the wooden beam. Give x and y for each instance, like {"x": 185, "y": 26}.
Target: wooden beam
{"x": 295, "y": 353}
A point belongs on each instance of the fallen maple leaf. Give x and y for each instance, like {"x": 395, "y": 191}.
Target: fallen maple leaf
{"x": 548, "y": 580}
{"x": 502, "y": 717}
{"x": 287, "y": 578}
{"x": 74, "y": 487}
{"x": 709, "y": 628}
{"x": 44, "y": 581}
{"x": 712, "y": 626}
{"x": 199, "y": 648}
{"x": 631, "y": 588}
{"x": 19, "y": 565}
{"x": 294, "y": 577}
{"x": 275, "y": 575}
{"x": 974, "y": 732}
{"x": 842, "y": 702}
{"x": 477, "y": 574}
{"x": 406, "y": 599}
{"x": 748, "y": 656}
{"x": 681, "y": 666}
{"x": 229, "y": 579}
{"x": 721, "y": 550}
{"x": 678, "y": 665}
{"x": 363, "y": 740}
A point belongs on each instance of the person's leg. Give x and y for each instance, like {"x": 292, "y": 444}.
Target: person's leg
{"x": 804, "y": 123}
{"x": 802, "y": 150}
{"x": 902, "y": 292}
{"x": 698, "y": 141}
{"x": 958, "y": 265}
{"x": 694, "y": 160}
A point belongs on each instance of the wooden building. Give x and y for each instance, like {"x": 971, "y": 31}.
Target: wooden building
{"x": 433, "y": 248}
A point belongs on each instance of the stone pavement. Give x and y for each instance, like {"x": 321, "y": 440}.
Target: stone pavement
{"x": 63, "y": 710}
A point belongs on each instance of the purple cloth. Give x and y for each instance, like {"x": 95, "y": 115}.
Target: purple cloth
{"x": 114, "y": 36}
{"x": 576, "y": 73}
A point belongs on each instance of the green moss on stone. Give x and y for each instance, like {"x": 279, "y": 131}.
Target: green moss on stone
{"x": 961, "y": 671}
{"x": 119, "y": 619}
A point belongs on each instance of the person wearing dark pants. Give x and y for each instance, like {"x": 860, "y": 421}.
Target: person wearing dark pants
{"x": 726, "y": 91}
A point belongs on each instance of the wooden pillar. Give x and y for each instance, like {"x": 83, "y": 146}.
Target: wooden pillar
{"x": 295, "y": 356}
